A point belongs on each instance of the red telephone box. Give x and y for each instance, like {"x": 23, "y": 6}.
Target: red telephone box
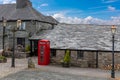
{"x": 43, "y": 52}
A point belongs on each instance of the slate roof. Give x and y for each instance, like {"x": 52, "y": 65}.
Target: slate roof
{"x": 52, "y": 20}
{"x": 83, "y": 37}
{"x": 10, "y": 12}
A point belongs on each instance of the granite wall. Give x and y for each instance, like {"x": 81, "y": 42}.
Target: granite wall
{"x": 89, "y": 59}
{"x": 31, "y": 29}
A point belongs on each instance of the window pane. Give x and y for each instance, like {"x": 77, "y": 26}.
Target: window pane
{"x": 80, "y": 54}
{"x": 53, "y": 53}
{"x": 22, "y": 27}
{"x": 21, "y": 41}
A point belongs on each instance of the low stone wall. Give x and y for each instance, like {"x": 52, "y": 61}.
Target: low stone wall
{"x": 17, "y": 54}
{"x": 58, "y": 58}
{"x": 89, "y": 59}
{"x": 105, "y": 59}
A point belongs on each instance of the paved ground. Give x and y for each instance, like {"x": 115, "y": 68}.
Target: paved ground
{"x": 20, "y": 72}
{"x": 90, "y": 72}
{"x": 5, "y": 68}
{"x": 46, "y": 75}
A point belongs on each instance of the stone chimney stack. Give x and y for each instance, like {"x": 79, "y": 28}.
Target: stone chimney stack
{"x": 22, "y": 3}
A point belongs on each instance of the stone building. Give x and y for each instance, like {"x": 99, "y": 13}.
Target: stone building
{"x": 90, "y": 45}
{"x": 32, "y": 22}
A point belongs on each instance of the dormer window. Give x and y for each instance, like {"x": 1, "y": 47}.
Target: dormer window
{"x": 23, "y": 26}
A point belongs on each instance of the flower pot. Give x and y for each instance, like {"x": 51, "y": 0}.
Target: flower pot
{"x": 66, "y": 64}
{"x": 3, "y": 60}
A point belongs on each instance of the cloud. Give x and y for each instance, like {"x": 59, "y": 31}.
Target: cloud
{"x": 43, "y": 5}
{"x": 111, "y": 8}
{"x": 115, "y": 19}
{"x": 7, "y": 1}
{"x": 88, "y": 20}
{"x": 109, "y": 1}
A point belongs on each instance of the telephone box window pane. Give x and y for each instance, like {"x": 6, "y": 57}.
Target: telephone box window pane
{"x": 42, "y": 53}
{"x": 53, "y": 53}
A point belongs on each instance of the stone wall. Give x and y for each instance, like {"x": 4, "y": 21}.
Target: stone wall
{"x": 89, "y": 59}
{"x": 105, "y": 59}
{"x": 59, "y": 56}
{"x": 32, "y": 27}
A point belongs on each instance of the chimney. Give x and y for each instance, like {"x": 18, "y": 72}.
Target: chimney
{"x": 29, "y": 3}
{"x": 22, "y": 3}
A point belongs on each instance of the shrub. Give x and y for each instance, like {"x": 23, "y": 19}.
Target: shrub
{"x": 27, "y": 49}
{"x": 67, "y": 57}
{"x": 2, "y": 57}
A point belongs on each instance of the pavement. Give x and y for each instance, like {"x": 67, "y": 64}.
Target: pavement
{"x": 46, "y": 75}
{"x": 6, "y": 69}
{"x": 21, "y": 68}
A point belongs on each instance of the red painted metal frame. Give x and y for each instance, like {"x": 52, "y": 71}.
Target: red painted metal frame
{"x": 43, "y": 52}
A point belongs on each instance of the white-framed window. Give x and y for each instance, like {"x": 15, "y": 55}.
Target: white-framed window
{"x": 23, "y": 26}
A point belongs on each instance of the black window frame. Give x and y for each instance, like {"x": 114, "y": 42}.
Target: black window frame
{"x": 53, "y": 52}
{"x": 21, "y": 41}
{"x": 80, "y": 54}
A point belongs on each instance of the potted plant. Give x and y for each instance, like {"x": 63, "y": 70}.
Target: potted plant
{"x": 3, "y": 59}
{"x": 66, "y": 60}
{"x": 27, "y": 50}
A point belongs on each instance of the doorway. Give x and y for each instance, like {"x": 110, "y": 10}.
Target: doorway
{"x": 21, "y": 41}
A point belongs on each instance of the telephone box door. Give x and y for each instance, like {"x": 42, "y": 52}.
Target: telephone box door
{"x": 43, "y": 52}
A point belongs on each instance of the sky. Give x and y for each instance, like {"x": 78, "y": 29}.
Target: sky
{"x": 79, "y": 11}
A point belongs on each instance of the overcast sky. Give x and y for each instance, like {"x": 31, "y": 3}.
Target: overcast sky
{"x": 79, "y": 11}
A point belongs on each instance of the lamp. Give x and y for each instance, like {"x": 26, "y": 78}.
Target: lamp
{"x": 4, "y": 22}
{"x": 113, "y": 31}
{"x": 14, "y": 30}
